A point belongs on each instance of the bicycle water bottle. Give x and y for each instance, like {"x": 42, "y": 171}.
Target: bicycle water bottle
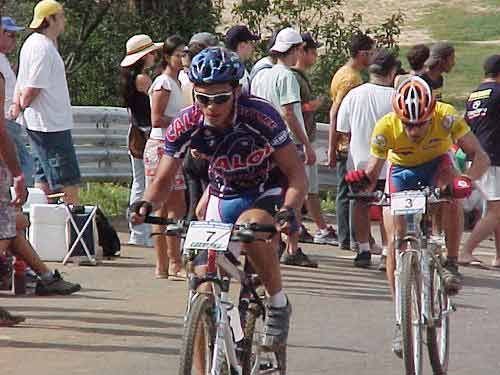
{"x": 19, "y": 276}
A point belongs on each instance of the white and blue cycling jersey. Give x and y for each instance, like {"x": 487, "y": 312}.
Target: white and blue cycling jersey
{"x": 240, "y": 157}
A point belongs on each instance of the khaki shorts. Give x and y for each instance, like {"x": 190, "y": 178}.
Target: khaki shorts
{"x": 153, "y": 152}
{"x": 312, "y": 176}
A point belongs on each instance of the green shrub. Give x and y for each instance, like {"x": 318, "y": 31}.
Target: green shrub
{"x": 112, "y": 198}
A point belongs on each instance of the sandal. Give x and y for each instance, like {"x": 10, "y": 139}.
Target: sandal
{"x": 176, "y": 273}
{"x": 9, "y": 320}
{"x": 468, "y": 261}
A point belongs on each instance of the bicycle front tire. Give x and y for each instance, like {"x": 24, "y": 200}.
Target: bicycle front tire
{"x": 411, "y": 329}
{"x": 438, "y": 336}
{"x": 200, "y": 321}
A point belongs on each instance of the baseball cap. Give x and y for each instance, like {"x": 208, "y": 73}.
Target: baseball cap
{"x": 492, "y": 65}
{"x": 8, "y": 24}
{"x": 286, "y": 39}
{"x": 383, "y": 61}
{"x": 439, "y": 51}
{"x": 205, "y": 38}
{"x": 309, "y": 41}
{"x": 43, "y": 9}
{"x": 237, "y": 34}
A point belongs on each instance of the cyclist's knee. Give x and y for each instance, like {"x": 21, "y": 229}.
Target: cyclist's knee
{"x": 258, "y": 216}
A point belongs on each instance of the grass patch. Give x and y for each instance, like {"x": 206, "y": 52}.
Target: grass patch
{"x": 111, "y": 198}
{"x": 455, "y": 23}
{"x": 465, "y": 76}
{"x": 327, "y": 201}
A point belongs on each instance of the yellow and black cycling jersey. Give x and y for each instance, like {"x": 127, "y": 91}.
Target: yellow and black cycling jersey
{"x": 389, "y": 139}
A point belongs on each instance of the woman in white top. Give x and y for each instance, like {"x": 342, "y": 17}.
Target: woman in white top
{"x": 166, "y": 101}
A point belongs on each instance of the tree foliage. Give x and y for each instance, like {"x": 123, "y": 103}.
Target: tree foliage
{"x": 93, "y": 43}
{"x": 326, "y": 21}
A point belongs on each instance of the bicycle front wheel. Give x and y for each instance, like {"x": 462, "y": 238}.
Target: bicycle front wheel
{"x": 438, "y": 336}
{"x": 199, "y": 337}
{"x": 410, "y": 303}
{"x": 253, "y": 360}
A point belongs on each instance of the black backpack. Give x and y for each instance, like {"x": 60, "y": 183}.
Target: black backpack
{"x": 108, "y": 238}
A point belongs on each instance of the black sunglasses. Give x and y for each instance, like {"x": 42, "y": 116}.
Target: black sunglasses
{"x": 206, "y": 99}
{"x": 416, "y": 125}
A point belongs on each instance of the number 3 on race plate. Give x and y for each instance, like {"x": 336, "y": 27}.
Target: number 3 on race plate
{"x": 204, "y": 235}
{"x": 407, "y": 202}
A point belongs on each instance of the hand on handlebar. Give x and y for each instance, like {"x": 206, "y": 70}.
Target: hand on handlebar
{"x": 357, "y": 180}
{"x": 139, "y": 210}
{"x": 461, "y": 187}
{"x": 286, "y": 220}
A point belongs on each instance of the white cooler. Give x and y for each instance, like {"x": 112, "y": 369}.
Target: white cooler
{"x": 47, "y": 231}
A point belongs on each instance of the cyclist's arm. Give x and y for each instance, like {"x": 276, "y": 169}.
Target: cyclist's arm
{"x": 373, "y": 170}
{"x": 160, "y": 188}
{"x": 288, "y": 161}
{"x": 480, "y": 160}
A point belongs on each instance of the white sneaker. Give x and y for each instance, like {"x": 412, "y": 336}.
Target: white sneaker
{"x": 329, "y": 237}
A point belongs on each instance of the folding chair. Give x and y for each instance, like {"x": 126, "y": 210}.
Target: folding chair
{"x": 80, "y": 231}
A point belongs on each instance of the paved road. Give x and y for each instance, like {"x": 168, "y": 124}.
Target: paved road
{"x": 125, "y": 322}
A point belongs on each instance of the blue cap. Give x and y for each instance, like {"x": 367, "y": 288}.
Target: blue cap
{"x": 8, "y": 24}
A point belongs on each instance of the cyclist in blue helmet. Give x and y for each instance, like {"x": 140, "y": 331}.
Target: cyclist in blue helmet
{"x": 244, "y": 139}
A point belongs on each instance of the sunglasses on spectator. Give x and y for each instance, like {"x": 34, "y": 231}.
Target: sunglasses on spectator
{"x": 206, "y": 99}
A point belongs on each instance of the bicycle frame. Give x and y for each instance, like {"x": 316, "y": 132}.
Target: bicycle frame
{"x": 428, "y": 250}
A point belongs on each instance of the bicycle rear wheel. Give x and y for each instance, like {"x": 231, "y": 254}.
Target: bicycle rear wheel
{"x": 438, "y": 336}
{"x": 199, "y": 336}
{"x": 410, "y": 303}
{"x": 253, "y": 360}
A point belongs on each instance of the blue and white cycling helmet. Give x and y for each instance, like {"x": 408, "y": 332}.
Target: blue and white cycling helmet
{"x": 216, "y": 65}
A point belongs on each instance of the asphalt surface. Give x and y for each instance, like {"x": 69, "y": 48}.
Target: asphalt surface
{"x": 124, "y": 321}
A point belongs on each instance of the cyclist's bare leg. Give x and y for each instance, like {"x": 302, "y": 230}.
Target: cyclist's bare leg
{"x": 175, "y": 208}
{"x": 453, "y": 226}
{"x": 395, "y": 227}
{"x": 262, "y": 254}
{"x": 483, "y": 229}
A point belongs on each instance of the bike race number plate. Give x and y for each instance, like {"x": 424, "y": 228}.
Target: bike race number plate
{"x": 205, "y": 235}
{"x": 407, "y": 203}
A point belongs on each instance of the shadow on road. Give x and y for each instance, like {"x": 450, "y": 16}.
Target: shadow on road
{"x": 89, "y": 348}
{"x": 331, "y": 348}
{"x": 94, "y": 311}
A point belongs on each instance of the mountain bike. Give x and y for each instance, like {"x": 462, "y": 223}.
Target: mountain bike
{"x": 422, "y": 305}
{"x": 219, "y": 336}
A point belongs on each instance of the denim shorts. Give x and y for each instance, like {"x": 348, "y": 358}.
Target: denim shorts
{"x": 54, "y": 158}
{"x": 15, "y": 132}
{"x": 7, "y": 211}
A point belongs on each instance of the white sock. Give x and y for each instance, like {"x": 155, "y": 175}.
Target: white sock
{"x": 384, "y": 251}
{"x": 364, "y": 247}
{"x": 278, "y": 300}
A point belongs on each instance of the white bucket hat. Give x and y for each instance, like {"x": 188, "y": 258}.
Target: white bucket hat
{"x": 139, "y": 46}
{"x": 286, "y": 39}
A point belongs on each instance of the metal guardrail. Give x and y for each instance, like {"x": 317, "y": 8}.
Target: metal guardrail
{"x": 100, "y": 137}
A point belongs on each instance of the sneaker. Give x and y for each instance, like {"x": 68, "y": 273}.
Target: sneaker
{"x": 363, "y": 259}
{"x": 355, "y": 247}
{"x": 397, "y": 342}
{"x": 452, "y": 278}
{"x": 381, "y": 265}
{"x": 329, "y": 238}
{"x": 8, "y": 320}
{"x": 56, "y": 286}
{"x": 304, "y": 235}
{"x": 298, "y": 259}
{"x": 276, "y": 327}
